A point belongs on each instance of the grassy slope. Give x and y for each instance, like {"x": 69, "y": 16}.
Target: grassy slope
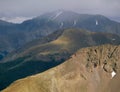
{"x": 69, "y": 41}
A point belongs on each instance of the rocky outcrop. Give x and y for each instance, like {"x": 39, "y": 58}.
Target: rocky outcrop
{"x": 88, "y": 70}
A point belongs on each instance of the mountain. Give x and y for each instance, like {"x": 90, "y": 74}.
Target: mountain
{"x": 13, "y": 36}
{"x": 5, "y": 43}
{"x": 88, "y": 70}
{"x": 65, "y": 41}
{"x": 48, "y": 52}
{"x": 67, "y": 19}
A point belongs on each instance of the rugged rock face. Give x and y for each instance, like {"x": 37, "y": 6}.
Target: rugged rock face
{"x": 88, "y": 70}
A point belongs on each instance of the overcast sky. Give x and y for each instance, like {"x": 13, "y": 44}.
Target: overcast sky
{"x": 36, "y": 7}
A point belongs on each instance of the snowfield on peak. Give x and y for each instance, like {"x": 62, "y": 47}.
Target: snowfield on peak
{"x": 57, "y": 14}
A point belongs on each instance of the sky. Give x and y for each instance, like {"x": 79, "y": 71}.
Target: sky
{"x": 29, "y": 8}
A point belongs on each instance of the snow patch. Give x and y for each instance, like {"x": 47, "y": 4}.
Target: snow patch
{"x": 113, "y": 74}
{"x": 57, "y": 15}
{"x": 75, "y": 22}
{"x": 96, "y": 22}
{"x": 113, "y": 39}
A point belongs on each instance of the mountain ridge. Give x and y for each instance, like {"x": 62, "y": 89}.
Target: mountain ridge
{"x": 39, "y": 57}
{"x": 88, "y": 70}
{"x": 48, "y": 23}
{"x": 68, "y": 39}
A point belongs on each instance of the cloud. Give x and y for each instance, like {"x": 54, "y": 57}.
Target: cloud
{"x": 15, "y": 19}
{"x": 37, "y": 7}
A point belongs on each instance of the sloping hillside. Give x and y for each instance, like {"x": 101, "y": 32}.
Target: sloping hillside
{"x": 13, "y": 36}
{"x": 94, "y": 69}
{"x": 67, "y": 41}
{"x": 40, "y": 57}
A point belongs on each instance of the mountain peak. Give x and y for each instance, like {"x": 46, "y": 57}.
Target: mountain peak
{"x": 60, "y": 15}
{"x": 57, "y": 14}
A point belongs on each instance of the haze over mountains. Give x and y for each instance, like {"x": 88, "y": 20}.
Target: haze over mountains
{"x": 48, "y": 23}
{"x": 48, "y": 40}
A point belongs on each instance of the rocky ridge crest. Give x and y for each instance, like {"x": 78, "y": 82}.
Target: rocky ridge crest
{"x": 88, "y": 70}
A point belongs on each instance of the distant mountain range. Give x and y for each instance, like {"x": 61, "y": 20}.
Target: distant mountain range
{"x": 48, "y": 40}
{"x": 13, "y": 36}
{"x": 93, "y": 69}
{"x": 40, "y": 55}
